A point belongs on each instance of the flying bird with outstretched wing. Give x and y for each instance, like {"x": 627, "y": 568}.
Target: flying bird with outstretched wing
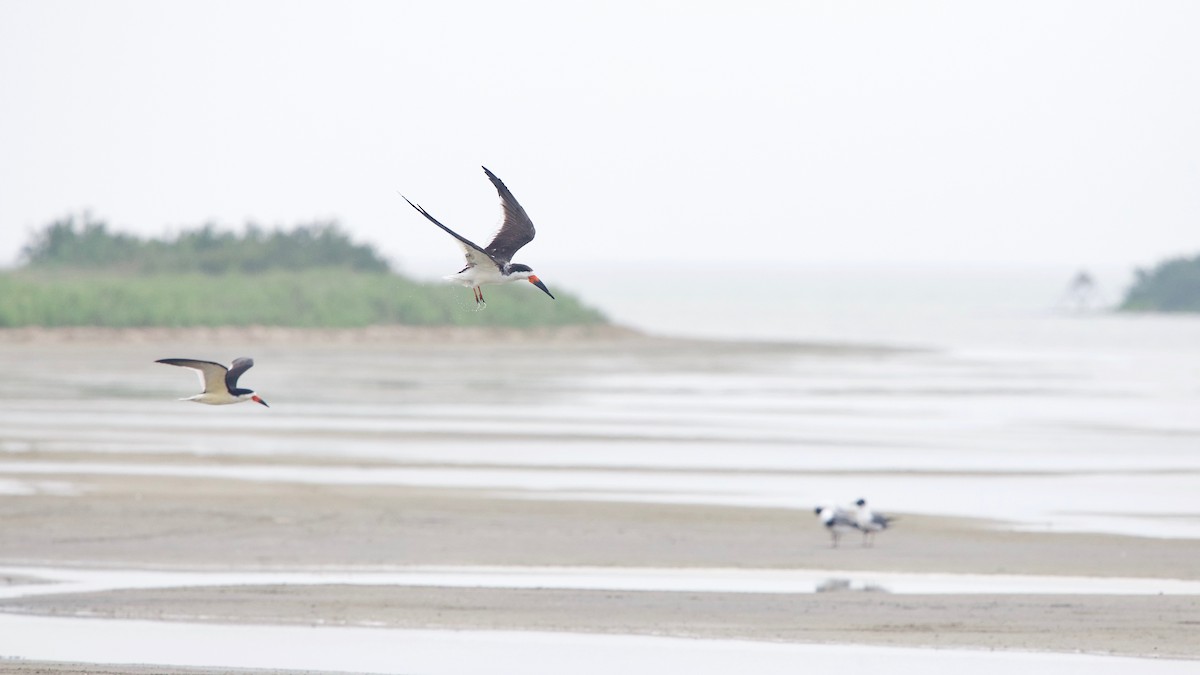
{"x": 492, "y": 264}
{"x": 219, "y": 382}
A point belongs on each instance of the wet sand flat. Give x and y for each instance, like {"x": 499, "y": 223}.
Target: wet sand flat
{"x": 645, "y": 453}
{"x": 131, "y": 522}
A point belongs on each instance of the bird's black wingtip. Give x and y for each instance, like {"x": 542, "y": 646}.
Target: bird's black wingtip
{"x": 410, "y": 202}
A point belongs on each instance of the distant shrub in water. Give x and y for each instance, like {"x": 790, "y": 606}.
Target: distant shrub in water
{"x": 91, "y": 245}
{"x": 1172, "y": 286}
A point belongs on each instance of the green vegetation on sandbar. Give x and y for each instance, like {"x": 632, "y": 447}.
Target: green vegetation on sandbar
{"x": 1172, "y": 286}
{"x": 313, "y": 276}
{"x": 91, "y": 245}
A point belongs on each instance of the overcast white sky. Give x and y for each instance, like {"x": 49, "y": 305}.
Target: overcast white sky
{"x": 1029, "y": 132}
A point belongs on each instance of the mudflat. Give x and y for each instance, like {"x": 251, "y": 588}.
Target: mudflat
{"x": 181, "y": 523}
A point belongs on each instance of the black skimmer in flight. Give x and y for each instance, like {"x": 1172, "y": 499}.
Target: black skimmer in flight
{"x": 492, "y": 264}
{"x": 836, "y": 521}
{"x": 219, "y": 382}
{"x": 870, "y": 522}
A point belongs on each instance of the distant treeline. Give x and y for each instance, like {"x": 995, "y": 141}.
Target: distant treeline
{"x": 89, "y": 244}
{"x": 83, "y": 274}
{"x": 1172, "y": 286}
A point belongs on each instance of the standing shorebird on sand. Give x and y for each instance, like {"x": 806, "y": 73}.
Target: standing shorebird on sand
{"x": 493, "y": 264}
{"x": 870, "y": 522}
{"x": 836, "y": 521}
{"x": 219, "y": 382}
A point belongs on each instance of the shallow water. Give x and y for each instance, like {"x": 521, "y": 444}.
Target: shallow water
{"x": 1099, "y": 439}
{"x": 377, "y": 650}
{"x": 57, "y": 580}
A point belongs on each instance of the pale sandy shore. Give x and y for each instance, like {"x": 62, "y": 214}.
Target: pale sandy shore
{"x": 600, "y": 336}
{"x": 224, "y": 335}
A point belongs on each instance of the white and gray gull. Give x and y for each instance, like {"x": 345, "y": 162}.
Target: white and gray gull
{"x": 870, "y": 522}
{"x": 836, "y": 521}
{"x": 492, "y": 264}
{"x": 219, "y": 382}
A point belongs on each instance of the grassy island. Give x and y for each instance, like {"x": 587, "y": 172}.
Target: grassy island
{"x": 84, "y": 274}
